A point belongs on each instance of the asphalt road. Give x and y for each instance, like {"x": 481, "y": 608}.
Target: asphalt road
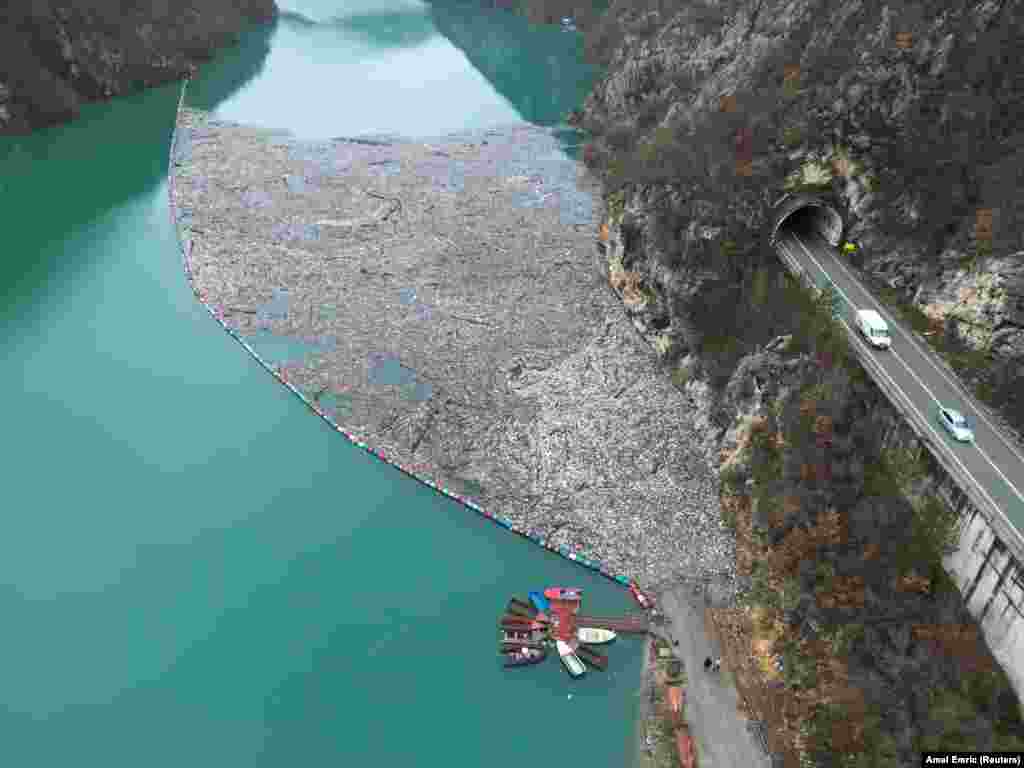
{"x": 908, "y": 371}
{"x": 712, "y": 702}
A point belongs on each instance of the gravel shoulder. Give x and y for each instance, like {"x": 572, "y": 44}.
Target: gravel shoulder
{"x": 442, "y": 301}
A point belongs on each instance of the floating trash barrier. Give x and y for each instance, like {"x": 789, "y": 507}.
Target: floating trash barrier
{"x": 278, "y": 306}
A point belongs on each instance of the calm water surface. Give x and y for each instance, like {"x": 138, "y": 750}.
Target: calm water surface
{"x": 196, "y": 571}
{"x": 330, "y": 68}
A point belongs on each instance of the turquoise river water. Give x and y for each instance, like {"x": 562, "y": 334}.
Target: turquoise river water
{"x": 197, "y": 571}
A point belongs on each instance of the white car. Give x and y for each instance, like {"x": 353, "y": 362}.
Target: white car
{"x": 956, "y": 424}
{"x": 873, "y": 327}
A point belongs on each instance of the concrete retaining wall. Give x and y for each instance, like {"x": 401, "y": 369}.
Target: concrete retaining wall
{"x": 987, "y": 564}
{"x": 991, "y": 580}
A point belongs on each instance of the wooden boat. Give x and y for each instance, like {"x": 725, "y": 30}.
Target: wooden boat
{"x": 517, "y": 610}
{"x": 572, "y": 663}
{"x": 525, "y": 658}
{"x": 525, "y": 620}
{"x": 563, "y": 593}
{"x": 513, "y": 619}
{"x": 518, "y": 637}
{"x": 524, "y": 604}
{"x": 520, "y": 631}
{"x": 540, "y": 602}
{"x": 505, "y": 647}
{"x": 594, "y": 635}
{"x": 593, "y": 658}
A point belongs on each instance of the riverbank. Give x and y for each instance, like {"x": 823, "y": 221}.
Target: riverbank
{"x": 446, "y": 312}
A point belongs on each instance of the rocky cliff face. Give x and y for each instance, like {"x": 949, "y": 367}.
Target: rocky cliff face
{"x": 904, "y": 117}
{"x": 58, "y": 55}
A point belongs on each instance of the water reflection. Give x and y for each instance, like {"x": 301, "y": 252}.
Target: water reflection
{"x": 406, "y": 29}
{"x": 399, "y": 68}
{"x": 186, "y": 545}
{"x": 539, "y": 69}
{"x": 233, "y": 68}
{"x": 48, "y": 207}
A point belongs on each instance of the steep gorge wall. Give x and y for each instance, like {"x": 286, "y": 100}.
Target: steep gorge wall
{"x": 827, "y": 469}
{"x": 58, "y": 55}
{"x": 905, "y": 118}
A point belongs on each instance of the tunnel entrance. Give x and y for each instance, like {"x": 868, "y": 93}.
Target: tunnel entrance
{"x": 805, "y": 215}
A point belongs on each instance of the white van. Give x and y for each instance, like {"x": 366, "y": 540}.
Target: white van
{"x": 873, "y": 328}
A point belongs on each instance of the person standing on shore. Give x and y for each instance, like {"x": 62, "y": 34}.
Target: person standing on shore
{"x": 708, "y": 664}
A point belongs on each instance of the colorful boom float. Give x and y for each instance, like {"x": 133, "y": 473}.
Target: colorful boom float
{"x": 217, "y": 313}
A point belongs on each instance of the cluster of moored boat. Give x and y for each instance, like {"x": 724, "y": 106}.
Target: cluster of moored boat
{"x": 527, "y": 635}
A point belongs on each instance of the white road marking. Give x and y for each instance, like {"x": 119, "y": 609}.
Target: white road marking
{"x": 906, "y": 398}
{"x": 917, "y": 379}
{"x": 938, "y": 368}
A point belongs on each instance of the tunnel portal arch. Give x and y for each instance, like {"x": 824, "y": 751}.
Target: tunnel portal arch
{"x": 807, "y": 213}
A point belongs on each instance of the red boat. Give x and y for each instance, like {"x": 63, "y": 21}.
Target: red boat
{"x": 563, "y": 593}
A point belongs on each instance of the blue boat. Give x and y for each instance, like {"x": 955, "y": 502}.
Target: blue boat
{"x": 540, "y": 602}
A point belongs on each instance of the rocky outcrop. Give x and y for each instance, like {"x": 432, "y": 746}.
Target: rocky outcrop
{"x": 986, "y": 304}
{"x": 59, "y": 55}
{"x": 905, "y": 122}
{"x": 872, "y": 580}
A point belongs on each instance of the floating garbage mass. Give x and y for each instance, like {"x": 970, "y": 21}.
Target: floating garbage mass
{"x": 217, "y": 312}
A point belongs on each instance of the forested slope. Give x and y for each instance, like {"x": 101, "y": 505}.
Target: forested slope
{"x": 56, "y": 55}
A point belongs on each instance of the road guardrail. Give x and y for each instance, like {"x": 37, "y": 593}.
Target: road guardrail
{"x": 918, "y": 422}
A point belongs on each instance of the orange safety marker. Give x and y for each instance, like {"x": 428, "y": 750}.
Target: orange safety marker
{"x": 791, "y": 79}
{"x": 983, "y": 224}
{"x": 603, "y": 233}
